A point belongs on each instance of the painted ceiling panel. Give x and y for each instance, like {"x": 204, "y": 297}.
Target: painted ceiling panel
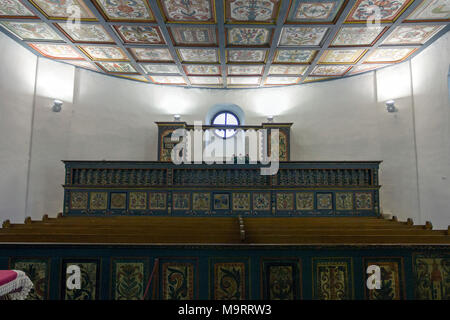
{"x": 14, "y": 8}
{"x": 56, "y": 51}
{"x": 282, "y": 80}
{"x": 194, "y": 36}
{"x": 238, "y": 36}
{"x": 151, "y": 54}
{"x": 139, "y": 34}
{"x": 237, "y": 70}
{"x": 347, "y": 56}
{"x": 168, "y": 79}
{"x": 236, "y": 55}
{"x": 205, "y": 80}
{"x": 329, "y": 70}
{"x": 131, "y": 11}
{"x": 31, "y": 30}
{"x": 319, "y": 11}
{"x": 431, "y": 10}
{"x": 314, "y": 79}
{"x": 389, "y": 55}
{"x": 88, "y": 33}
{"x": 104, "y": 53}
{"x": 251, "y": 11}
{"x": 294, "y": 56}
{"x": 117, "y": 67}
{"x": 64, "y": 9}
{"x": 226, "y": 43}
{"x": 357, "y": 36}
{"x": 287, "y": 70}
{"x": 386, "y": 11}
{"x": 301, "y": 36}
{"x": 202, "y": 69}
{"x": 365, "y": 67}
{"x": 199, "y": 55}
{"x": 160, "y": 68}
{"x": 188, "y": 11}
{"x": 242, "y": 81}
{"x": 412, "y": 34}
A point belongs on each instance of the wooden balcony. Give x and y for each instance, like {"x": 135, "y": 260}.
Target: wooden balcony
{"x": 332, "y": 189}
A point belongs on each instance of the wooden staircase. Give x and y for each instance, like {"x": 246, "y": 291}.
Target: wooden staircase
{"x": 218, "y": 230}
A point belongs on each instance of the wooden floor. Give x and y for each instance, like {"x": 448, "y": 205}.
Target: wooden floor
{"x": 216, "y": 230}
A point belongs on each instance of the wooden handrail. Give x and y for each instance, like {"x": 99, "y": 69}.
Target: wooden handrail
{"x": 222, "y": 230}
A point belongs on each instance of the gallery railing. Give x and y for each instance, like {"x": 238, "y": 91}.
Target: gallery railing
{"x": 161, "y": 188}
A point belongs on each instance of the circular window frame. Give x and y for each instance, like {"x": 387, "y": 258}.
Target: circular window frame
{"x": 225, "y": 133}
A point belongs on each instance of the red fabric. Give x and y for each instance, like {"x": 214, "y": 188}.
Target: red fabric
{"x": 7, "y": 276}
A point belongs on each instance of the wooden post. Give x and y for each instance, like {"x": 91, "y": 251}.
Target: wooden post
{"x": 241, "y": 228}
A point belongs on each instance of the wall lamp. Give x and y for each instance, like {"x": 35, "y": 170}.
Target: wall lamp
{"x": 270, "y": 119}
{"x": 390, "y": 106}
{"x": 176, "y": 117}
{"x": 57, "y": 106}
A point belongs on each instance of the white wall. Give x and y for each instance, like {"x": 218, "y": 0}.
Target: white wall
{"x": 17, "y": 74}
{"x": 432, "y": 120}
{"x": 113, "y": 119}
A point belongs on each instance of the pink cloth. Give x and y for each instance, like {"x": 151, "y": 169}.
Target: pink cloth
{"x": 7, "y": 276}
{"x": 15, "y": 283}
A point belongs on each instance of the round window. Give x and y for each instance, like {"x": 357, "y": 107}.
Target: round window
{"x": 225, "y": 118}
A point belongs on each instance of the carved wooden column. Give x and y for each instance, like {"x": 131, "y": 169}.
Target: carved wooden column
{"x": 284, "y": 139}
{"x": 165, "y": 143}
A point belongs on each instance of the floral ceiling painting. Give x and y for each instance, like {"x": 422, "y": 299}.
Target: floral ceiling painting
{"x": 226, "y": 43}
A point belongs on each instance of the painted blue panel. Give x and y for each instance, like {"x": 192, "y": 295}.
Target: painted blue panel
{"x": 202, "y": 258}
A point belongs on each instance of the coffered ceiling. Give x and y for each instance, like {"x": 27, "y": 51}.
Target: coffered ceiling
{"x": 226, "y": 43}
